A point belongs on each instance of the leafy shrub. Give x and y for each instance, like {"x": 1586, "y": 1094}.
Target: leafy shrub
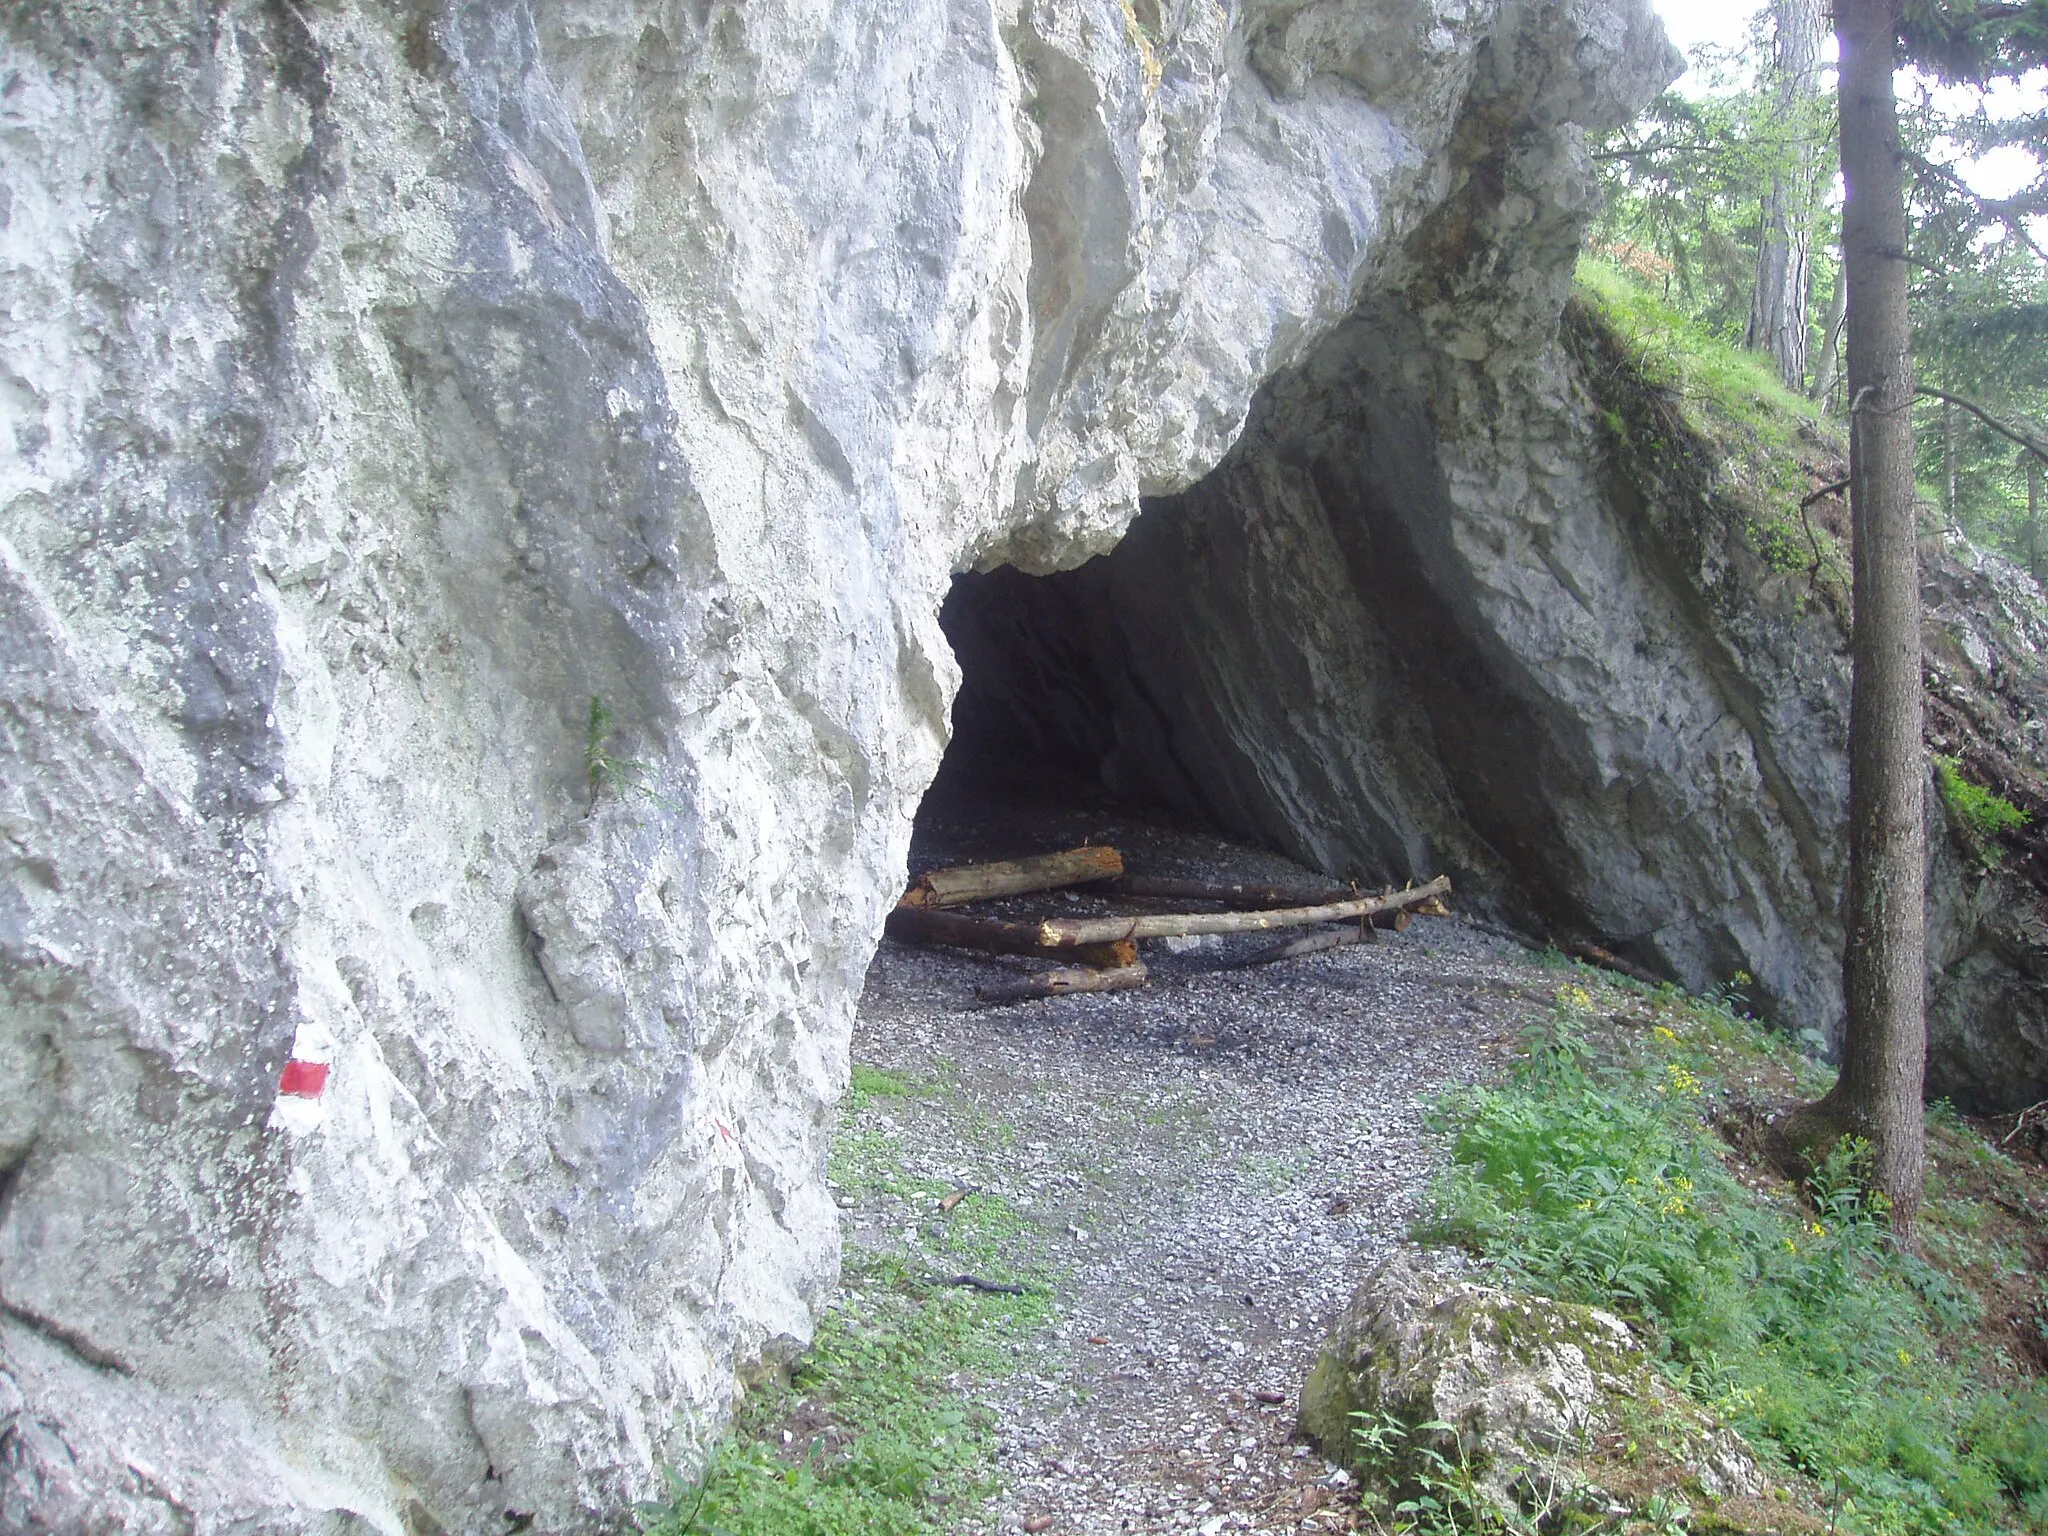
{"x": 1840, "y": 1357}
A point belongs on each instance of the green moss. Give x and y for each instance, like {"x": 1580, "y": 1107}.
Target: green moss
{"x": 1982, "y": 814}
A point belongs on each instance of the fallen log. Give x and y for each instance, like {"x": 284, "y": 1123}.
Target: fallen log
{"x": 1312, "y": 944}
{"x": 1059, "y": 983}
{"x": 1593, "y": 954}
{"x": 1068, "y": 932}
{"x": 993, "y": 935}
{"x": 1013, "y": 877}
{"x": 1245, "y": 897}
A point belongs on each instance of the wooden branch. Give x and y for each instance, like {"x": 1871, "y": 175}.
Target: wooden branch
{"x": 1013, "y": 877}
{"x": 1312, "y": 944}
{"x": 1824, "y": 493}
{"x": 1593, "y": 954}
{"x": 1248, "y": 897}
{"x": 2027, "y": 441}
{"x": 975, "y": 1282}
{"x": 1059, "y": 983}
{"x": 1057, "y": 932}
{"x": 919, "y": 925}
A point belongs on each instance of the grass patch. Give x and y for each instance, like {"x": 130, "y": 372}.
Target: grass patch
{"x": 1983, "y": 815}
{"x": 1761, "y": 436}
{"x": 869, "y": 1084}
{"x": 873, "y": 1433}
{"x": 1675, "y": 353}
{"x": 1861, "y": 1371}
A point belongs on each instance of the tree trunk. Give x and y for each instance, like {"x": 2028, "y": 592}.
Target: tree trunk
{"x": 1829, "y": 368}
{"x": 1949, "y": 511}
{"x": 1884, "y": 1047}
{"x": 2033, "y": 517}
{"x": 1777, "y": 310}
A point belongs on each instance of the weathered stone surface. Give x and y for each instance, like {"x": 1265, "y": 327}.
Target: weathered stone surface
{"x": 384, "y": 382}
{"x": 1437, "y": 612}
{"x": 1524, "y": 1384}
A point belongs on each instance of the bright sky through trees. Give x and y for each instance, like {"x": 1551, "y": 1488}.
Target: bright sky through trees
{"x": 1692, "y": 22}
{"x": 1725, "y": 24}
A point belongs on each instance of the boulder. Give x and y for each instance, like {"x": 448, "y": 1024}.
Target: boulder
{"x": 1427, "y": 1380}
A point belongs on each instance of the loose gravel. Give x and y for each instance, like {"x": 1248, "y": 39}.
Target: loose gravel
{"x": 1208, "y": 1167}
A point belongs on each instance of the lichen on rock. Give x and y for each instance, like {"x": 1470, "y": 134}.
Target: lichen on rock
{"x": 1432, "y": 1380}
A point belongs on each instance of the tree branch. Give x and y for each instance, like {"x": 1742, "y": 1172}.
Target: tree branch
{"x": 2033, "y": 445}
{"x": 2010, "y": 212}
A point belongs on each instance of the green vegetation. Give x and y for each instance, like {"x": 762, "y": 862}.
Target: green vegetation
{"x": 1981, "y": 813}
{"x": 1761, "y": 433}
{"x": 1443, "y": 1492}
{"x": 1676, "y": 352}
{"x": 1682, "y": 188}
{"x": 605, "y": 769}
{"x": 1863, "y": 1371}
{"x": 875, "y": 1432}
{"x": 871, "y": 1083}
{"x": 870, "y": 1436}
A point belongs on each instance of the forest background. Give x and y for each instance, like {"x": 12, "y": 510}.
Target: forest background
{"x": 1729, "y": 189}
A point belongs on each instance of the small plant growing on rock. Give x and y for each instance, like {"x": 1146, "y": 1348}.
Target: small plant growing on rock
{"x": 1438, "y": 1488}
{"x": 1982, "y": 815}
{"x": 605, "y": 769}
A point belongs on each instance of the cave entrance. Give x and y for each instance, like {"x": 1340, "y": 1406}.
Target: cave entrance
{"x": 1055, "y": 728}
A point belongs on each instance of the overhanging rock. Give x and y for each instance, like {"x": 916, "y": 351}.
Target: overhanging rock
{"x": 483, "y": 479}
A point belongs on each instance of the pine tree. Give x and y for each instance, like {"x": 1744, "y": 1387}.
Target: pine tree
{"x": 1784, "y": 265}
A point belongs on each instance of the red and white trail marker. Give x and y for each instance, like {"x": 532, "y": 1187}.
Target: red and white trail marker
{"x": 303, "y": 1079}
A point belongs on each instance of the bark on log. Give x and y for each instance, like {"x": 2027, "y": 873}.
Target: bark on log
{"x": 1059, "y": 983}
{"x": 920, "y": 925}
{"x": 1313, "y": 944}
{"x": 1013, "y": 877}
{"x": 1066, "y": 932}
{"x": 1593, "y": 954}
{"x": 1245, "y": 897}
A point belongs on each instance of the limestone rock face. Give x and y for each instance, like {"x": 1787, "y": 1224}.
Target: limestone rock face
{"x": 1437, "y": 613}
{"x": 481, "y": 478}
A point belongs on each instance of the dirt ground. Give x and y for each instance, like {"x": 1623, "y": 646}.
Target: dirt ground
{"x": 1208, "y": 1167}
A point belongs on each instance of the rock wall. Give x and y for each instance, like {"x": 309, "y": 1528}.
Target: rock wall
{"x": 1469, "y": 597}
{"x": 483, "y": 478}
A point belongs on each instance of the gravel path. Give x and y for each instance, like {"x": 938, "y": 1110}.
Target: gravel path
{"x": 1209, "y": 1166}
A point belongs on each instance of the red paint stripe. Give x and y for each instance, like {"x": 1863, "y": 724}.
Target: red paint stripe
{"x": 303, "y": 1079}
